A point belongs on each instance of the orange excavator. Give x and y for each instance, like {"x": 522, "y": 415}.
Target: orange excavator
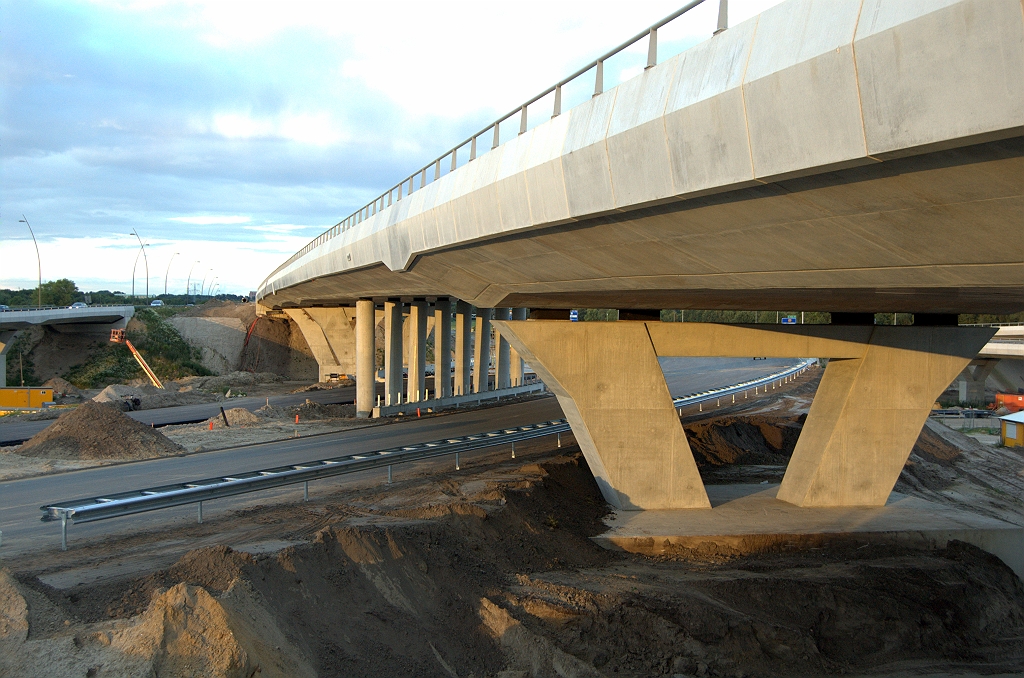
{"x": 117, "y": 336}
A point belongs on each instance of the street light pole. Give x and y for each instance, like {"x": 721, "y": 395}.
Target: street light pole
{"x": 134, "y": 266}
{"x": 39, "y": 261}
{"x": 169, "y": 270}
{"x": 203, "y": 285}
{"x": 189, "y": 280}
{"x": 144, "y": 258}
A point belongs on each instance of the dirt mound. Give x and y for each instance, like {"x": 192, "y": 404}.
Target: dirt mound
{"x": 62, "y": 388}
{"x": 232, "y": 380}
{"x": 490, "y": 576}
{"x": 237, "y": 416}
{"x": 314, "y": 410}
{"x": 744, "y": 440}
{"x": 184, "y": 631}
{"x": 222, "y": 309}
{"x": 326, "y": 385}
{"x": 98, "y": 431}
{"x": 149, "y": 397}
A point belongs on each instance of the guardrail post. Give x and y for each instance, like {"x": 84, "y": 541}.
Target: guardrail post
{"x": 437, "y": 169}
{"x": 200, "y": 512}
{"x": 63, "y": 531}
{"x": 305, "y": 491}
{"x": 513, "y": 450}
{"x": 599, "y": 79}
{"x": 559, "y": 438}
{"x": 472, "y": 150}
{"x": 455, "y": 154}
{"x": 522, "y": 122}
{"x": 456, "y": 461}
{"x": 558, "y": 102}
{"x": 389, "y": 474}
{"x": 497, "y": 136}
{"x": 652, "y": 49}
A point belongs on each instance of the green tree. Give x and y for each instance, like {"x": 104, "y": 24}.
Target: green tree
{"x": 61, "y": 292}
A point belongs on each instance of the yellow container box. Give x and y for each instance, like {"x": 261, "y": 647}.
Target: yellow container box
{"x": 25, "y": 397}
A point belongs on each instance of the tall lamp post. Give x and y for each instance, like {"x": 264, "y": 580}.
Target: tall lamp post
{"x": 203, "y": 285}
{"x": 39, "y": 261}
{"x": 189, "y": 280}
{"x": 142, "y": 250}
{"x": 145, "y": 258}
{"x": 169, "y": 270}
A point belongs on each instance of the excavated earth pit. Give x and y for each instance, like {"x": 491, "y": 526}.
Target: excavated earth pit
{"x": 490, "y": 571}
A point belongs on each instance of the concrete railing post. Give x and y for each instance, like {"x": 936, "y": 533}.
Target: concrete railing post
{"x": 366, "y": 377}
{"x": 482, "y": 350}
{"x": 443, "y": 348}
{"x": 463, "y": 332}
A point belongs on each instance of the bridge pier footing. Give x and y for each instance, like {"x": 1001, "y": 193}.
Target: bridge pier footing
{"x": 870, "y": 407}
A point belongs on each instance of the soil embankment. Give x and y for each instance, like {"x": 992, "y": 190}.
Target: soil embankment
{"x": 490, "y": 572}
{"x": 98, "y": 431}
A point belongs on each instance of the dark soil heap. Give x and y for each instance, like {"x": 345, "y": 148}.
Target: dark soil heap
{"x": 507, "y": 582}
{"x": 97, "y": 431}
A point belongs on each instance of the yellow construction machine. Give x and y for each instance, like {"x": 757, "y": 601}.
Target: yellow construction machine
{"x": 117, "y": 336}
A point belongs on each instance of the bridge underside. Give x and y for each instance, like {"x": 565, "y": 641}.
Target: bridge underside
{"x": 932, "y": 233}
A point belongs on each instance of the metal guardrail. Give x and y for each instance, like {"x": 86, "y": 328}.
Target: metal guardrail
{"x": 196, "y": 492}
{"x": 718, "y": 393}
{"x": 395, "y": 193}
{"x": 60, "y": 308}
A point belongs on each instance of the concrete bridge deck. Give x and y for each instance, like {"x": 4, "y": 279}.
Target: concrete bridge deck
{"x": 844, "y": 156}
{"x": 821, "y": 156}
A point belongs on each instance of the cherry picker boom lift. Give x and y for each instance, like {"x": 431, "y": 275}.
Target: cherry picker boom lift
{"x": 117, "y": 336}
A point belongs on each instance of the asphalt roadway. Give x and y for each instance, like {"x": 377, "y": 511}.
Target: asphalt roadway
{"x": 14, "y": 432}
{"x": 20, "y": 500}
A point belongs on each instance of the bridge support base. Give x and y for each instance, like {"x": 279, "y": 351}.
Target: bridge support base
{"x": 869, "y": 409}
{"x": 330, "y": 333}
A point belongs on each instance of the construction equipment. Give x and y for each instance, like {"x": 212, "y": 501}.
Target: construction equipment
{"x": 117, "y": 337}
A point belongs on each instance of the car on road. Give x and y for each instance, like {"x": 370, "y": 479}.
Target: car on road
{"x": 156, "y": 302}
{"x": 4, "y": 307}
{"x": 79, "y": 304}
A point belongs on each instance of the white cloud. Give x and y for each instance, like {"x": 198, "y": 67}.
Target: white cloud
{"x": 107, "y": 262}
{"x": 208, "y": 220}
{"x": 240, "y": 126}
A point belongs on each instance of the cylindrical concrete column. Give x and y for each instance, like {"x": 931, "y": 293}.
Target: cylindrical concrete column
{"x": 516, "y": 365}
{"x": 417, "y": 350}
{"x": 366, "y": 373}
{"x": 501, "y": 352}
{"x": 463, "y": 350}
{"x": 482, "y": 350}
{"x": 393, "y": 372}
{"x": 443, "y": 348}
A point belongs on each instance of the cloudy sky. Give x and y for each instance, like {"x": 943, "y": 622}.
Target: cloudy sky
{"x": 228, "y": 134}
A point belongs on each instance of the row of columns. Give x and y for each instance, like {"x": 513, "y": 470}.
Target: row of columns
{"x": 471, "y": 360}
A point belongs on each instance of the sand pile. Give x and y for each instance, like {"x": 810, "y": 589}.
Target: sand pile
{"x": 184, "y": 631}
{"x": 97, "y": 431}
{"x": 149, "y": 397}
{"x": 311, "y": 410}
{"x": 490, "y": 573}
{"x": 62, "y": 388}
{"x": 233, "y": 380}
{"x": 743, "y": 439}
{"x": 237, "y": 416}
